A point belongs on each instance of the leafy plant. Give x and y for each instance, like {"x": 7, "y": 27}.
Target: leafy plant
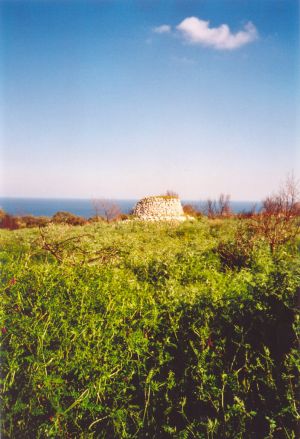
{"x": 132, "y": 330}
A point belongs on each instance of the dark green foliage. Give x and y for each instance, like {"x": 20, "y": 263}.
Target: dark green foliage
{"x": 148, "y": 331}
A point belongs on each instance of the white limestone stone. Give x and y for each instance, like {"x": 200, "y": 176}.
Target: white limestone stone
{"x": 159, "y": 208}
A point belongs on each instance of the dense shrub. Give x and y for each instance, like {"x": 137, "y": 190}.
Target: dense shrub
{"x": 68, "y": 218}
{"x": 144, "y": 330}
{"x": 9, "y": 222}
{"x": 12, "y": 222}
{"x": 278, "y": 221}
{"x": 34, "y": 221}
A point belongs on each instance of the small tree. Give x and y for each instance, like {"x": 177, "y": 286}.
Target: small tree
{"x": 224, "y": 205}
{"x": 214, "y": 208}
{"x": 210, "y": 208}
{"x": 106, "y": 208}
{"x": 279, "y": 221}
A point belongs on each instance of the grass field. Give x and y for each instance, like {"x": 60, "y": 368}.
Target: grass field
{"x": 131, "y": 330}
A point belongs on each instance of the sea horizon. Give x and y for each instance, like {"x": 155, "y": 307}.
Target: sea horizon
{"x": 39, "y": 206}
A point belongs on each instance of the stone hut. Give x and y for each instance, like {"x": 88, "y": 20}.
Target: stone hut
{"x": 159, "y": 208}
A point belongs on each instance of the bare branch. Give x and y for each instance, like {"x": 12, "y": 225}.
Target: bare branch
{"x": 106, "y": 208}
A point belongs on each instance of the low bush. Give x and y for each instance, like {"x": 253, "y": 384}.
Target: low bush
{"x": 9, "y": 222}
{"x": 34, "y": 221}
{"x": 122, "y": 217}
{"x": 191, "y": 210}
{"x": 68, "y": 218}
{"x": 96, "y": 219}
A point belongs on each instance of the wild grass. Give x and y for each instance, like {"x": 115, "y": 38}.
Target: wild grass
{"x": 132, "y": 330}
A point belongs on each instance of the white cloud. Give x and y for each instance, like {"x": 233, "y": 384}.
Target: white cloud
{"x": 163, "y": 29}
{"x": 197, "y": 31}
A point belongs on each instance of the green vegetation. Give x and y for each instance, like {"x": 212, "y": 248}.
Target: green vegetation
{"x": 13, "y": 222}
{"x": 164, "y": 197}
{"x": 132, "y": 330}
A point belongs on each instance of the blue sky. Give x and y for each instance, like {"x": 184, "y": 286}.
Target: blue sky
{"x": 98, "y": 99}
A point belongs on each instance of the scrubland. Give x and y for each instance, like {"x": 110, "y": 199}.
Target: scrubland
{"x": 136, "y": 330}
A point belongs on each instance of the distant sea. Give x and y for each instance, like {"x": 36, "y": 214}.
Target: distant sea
{"x": 84, "y": 207}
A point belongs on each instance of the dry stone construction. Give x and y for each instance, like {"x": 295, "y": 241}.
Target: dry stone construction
{"x": 159, "y": 208}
